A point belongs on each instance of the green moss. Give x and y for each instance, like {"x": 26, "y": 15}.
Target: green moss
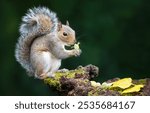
{"x": 55, "y": 82}
{"x": 71, "y": 73}
{"x": 52, "y": 82}
{"x": 94, "y": 92}
{"x": 142, "y": 81}
{"x": 91, "y": 93}
{"x": 86, "y": 81}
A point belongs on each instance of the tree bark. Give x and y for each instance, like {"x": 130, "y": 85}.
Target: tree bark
{"x": 78, "y": 83}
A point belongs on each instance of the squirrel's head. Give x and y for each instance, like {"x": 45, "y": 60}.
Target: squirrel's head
{"x": 66, "y": 34}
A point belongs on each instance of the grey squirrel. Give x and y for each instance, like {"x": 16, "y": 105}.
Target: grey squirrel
{"x": 42, "y": 41}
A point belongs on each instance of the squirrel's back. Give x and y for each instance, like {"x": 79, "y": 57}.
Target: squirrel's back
{"x": 37, "y": 22}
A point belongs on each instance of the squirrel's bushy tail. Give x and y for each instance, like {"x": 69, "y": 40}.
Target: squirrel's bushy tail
{"x": 37, "y": 22}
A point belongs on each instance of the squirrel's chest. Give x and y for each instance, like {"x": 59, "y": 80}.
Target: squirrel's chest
{"x": 55, "y": 63}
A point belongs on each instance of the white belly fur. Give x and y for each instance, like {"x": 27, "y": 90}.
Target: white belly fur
{"x": 52, "y": 63}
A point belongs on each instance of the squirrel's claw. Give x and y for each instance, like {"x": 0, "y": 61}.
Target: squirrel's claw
{"x": 77, "y": 52}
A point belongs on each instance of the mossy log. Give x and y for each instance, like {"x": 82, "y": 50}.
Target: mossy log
{"x": 78, "y": 83}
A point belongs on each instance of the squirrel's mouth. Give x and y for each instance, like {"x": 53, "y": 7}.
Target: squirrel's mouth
{"x": 69, "y": 47}
{"x": 73, "y": 46}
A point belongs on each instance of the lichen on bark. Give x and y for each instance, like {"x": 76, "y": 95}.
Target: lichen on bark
{"x": 79, "y": 82}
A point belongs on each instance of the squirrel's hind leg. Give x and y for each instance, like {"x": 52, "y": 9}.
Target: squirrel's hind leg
{"x": 41, "y": 62}
{"x": 55, "y": 64}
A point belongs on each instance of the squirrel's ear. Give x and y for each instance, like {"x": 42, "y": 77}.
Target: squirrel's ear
{"x": 67, "y": 23}
{"x": 59, "y": 25}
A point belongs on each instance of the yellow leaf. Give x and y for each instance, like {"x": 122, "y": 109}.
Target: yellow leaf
{"x": 123, "y": 83}
{"x": 135, "y": 88}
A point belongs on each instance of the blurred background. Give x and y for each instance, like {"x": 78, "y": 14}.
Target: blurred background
{"x": 114, "y": 35}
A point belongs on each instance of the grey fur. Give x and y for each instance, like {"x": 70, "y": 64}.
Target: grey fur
{"x": 29, "y": 30}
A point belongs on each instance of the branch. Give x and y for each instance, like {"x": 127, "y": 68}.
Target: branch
{"x": 78, "y": 83}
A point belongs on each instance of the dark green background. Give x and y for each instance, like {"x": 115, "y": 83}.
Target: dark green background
{"x": 114, "y": 35}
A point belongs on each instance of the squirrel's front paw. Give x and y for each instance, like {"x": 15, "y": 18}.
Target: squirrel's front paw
{"x": 77, "y": 52}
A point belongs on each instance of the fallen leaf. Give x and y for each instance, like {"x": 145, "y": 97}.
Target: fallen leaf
{"x": 122, "y": 83}
{"x": 135, "y": 88}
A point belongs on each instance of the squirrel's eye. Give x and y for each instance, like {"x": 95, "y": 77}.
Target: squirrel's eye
{"x": 65, "y": 34}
